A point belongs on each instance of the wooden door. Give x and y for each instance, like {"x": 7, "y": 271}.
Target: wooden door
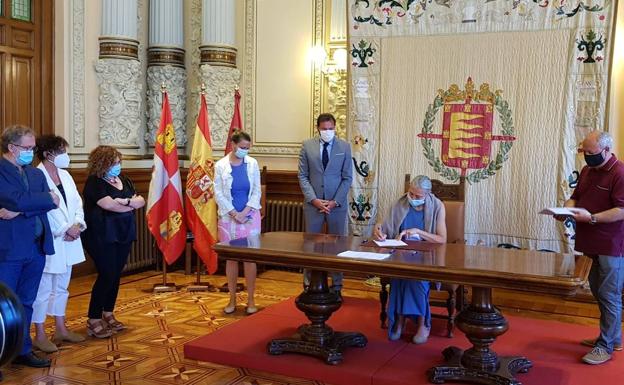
{"x": 26, "y": 64}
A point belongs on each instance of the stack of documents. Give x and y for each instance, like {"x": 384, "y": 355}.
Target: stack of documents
{"x": 557, "y": 211}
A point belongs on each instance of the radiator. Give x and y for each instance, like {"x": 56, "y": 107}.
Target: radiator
{"x": 143, "y": 253}
{"x": 283, "y": 215}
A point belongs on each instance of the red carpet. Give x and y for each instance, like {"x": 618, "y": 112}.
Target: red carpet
{"x": 552, "y": 346}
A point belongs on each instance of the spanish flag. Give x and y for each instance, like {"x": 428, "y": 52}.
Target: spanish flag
{"x": 164, "y": 203}
{"x": 201, "y": 208}
{"x": 236, "y": 123}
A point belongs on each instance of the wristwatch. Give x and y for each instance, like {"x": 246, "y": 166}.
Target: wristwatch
{"x": 128, "y": 202}
{"x": 592, "y": 220}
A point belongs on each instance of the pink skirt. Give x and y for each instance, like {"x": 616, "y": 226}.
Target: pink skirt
{"x": 229, "y": 229}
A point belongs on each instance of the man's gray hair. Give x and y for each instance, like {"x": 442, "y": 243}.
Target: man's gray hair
{"x": 421, "y": 181}
{"x": 605, "y": 140}
{"x": 13, "y": 135}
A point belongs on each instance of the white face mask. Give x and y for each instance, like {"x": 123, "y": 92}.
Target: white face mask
{"x": 327, "y": 135}
{"x": 61, "y": 160}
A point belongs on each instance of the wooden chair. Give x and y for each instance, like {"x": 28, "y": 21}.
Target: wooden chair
{"x": 452, "y": 196}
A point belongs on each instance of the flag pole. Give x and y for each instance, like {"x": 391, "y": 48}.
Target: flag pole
{"x": 164, "y": 287}
{"x": 199, "y": 285}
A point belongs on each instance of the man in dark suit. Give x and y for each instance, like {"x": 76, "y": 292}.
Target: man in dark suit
{"x": 25, "y": 236}
{"x": 325, "y": 176}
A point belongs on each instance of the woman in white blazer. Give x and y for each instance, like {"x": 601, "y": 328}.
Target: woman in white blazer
{"x": 237, "y": 192}
{"x": 66, "y": 223}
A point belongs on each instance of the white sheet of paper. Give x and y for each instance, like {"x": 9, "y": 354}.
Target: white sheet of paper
{"x": 556, "y": 211}
{"x": 363, "y": 255}
{"x": 390, "y": 243}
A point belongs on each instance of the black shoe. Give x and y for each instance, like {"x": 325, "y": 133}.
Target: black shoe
{"x": 32, "y": 360}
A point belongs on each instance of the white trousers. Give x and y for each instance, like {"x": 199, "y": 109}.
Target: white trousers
{"x": 52, "y": 296}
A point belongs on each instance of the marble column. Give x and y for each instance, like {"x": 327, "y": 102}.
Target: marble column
{"x": 218, "y": 65}
{"x": 165, "y": 60}
{"x": 119, "y": 78}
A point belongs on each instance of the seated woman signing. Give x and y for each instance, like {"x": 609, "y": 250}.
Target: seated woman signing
{"x": 416, "y": 215}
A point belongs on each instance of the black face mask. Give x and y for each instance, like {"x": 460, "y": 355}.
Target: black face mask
{"x": 594, "y": 160}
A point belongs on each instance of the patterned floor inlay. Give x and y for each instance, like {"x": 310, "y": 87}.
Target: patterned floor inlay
{"x": 150, "y": 351}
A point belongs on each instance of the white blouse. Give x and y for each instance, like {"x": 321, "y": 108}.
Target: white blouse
{"x": 223, "y": 184}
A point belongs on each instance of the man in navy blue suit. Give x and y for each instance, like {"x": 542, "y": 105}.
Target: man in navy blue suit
{"x": 25, "y": 236}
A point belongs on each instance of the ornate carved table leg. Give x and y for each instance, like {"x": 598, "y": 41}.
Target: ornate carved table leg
{"x": 316, "y": 338}
{"x": 482, "y": 323}
{"x": 383, "y": 300}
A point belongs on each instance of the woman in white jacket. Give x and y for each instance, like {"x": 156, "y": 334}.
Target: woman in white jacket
{"x": 237, "y": 192}
{"x": 66, "y": 223}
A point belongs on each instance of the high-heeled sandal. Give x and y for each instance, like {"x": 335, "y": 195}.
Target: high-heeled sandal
{"x": 112, "y": 322}
{"x": 98, "y": 329}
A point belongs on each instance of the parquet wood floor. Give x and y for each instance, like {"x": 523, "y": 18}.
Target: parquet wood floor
{"x": 151, "y": 350}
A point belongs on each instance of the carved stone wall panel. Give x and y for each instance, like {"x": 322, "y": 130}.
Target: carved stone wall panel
{"x": 337, "y": 101}
{"x": 121, "y": 108}
{"x": 193, "y": 64}
{"x": 142, "y": 24}
{"x": 174, "y": 79}
{"x": 78, "y": 73}
{"x": 220, "y": 84}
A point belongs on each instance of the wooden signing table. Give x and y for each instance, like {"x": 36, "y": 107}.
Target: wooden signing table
{"x": 480, "y": 267}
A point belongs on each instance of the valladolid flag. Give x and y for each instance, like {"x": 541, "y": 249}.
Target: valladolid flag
{"x": 164, "y": 203}
{"x": 236, "y": 123}
{"x": 201, "y": 208}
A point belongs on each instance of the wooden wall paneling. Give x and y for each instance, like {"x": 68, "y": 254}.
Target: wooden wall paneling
{"x": 26, "y": 48}
{"x": 3, "y": 88}
{"x": 45, "y": 47}
{"x": 22, "y": 91}
{"x": 283, "y": 185}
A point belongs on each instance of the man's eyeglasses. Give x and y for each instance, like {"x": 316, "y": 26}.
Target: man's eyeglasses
{"x": 34, "y": 149}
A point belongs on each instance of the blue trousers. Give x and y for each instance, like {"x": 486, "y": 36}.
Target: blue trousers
{"x": 336, "y": 224}
{"x": 606, "y": 279}
{"x": 23, "y": 277}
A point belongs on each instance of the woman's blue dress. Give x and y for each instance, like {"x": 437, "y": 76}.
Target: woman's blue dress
{"x": 409, "y": 298}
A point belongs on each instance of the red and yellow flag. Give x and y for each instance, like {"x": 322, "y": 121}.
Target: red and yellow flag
{"x": 164, "y": 203}
{"x": 201, "y": 208}
{"x": 236, "y": 123}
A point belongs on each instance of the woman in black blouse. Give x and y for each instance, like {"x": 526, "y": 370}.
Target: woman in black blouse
{"x": 109, "y": 204}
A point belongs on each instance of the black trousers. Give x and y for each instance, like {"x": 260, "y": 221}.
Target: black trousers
{"x": 110, "y": 259}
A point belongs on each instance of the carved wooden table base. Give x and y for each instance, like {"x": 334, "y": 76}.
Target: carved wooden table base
{"x": 316, "y": 338}
{"x": 482, "y": 323}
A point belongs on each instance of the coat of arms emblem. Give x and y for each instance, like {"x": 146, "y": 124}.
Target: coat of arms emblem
{"x": 469, "y": 118}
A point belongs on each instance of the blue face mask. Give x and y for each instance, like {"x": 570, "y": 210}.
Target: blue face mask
{"x": 25, "y": 157}
{"x": 416, "y": 202}
{"x": 114, "y": 171}
{"x": 241, "y": 153}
